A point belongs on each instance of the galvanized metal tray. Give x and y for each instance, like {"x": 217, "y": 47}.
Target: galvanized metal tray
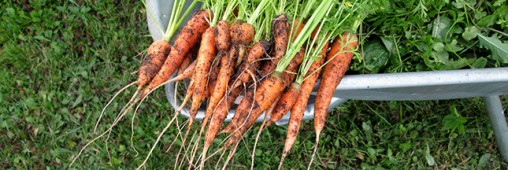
{"x": 432, "y": 85}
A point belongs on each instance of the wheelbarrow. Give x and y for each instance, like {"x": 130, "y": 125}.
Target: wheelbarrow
{"x": 430, "y": 85}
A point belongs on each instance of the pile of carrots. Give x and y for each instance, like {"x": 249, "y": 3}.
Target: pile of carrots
{"x": 271, "y": 52}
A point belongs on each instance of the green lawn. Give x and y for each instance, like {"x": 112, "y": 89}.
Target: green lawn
{"x": 61, "y": 62}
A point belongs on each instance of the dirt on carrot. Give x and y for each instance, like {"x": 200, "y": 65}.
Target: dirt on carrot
{"x": 157, "y": 54}
{"x": 184, "y": 74}
{"x": 251, "y": 63}
{"x": 285, "y": 103}
{"x": 338, "y": 62}
{"x": 267, "y": 92}
{"x": 187, "y": 38}
{"x": 205, "y": 58}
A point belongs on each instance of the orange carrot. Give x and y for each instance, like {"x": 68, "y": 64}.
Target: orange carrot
{"x": 225, "y": 72}
{"x": 200, "y": 77}
{"x": 189, "y": 36}
{"x": 298, "y": 109}
{"x": 185, "y": 63}
{"x": 285, "y": 103}
{"x": 242, "y": 34}
{"x": 280, "y": 31}
{"x": 222, "y": 44}
{"x": 241, "y": 112}
{"x": 219, "y": 115}
{"x": 227, "y": 56}
{"x": 266, "y": 94}
{"x": 269, "y": 66}
{"x": 206, "y": 54}
{"x": 338, "y": 61}
{"x": 255, "y": 52}
{"x": 212, "y": 76}
{"x": 222, "y": 36}
{"x": 157, "y": 54}
{"x": 306, "y": 88}
{"x": 185, "y": 73}
{"x": 297, "y": 28}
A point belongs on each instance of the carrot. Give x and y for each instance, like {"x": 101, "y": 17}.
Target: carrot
{"x": 268, "y": 67}
{"x": 265, "y": 95}
{"x": 255, "y": 52}
{"x": 157, "y": 54}
{"x": 226, "y": 70}
{"x": 297, "y": 28}
{"x": 218, "y": 117}
{"x": 306, "y": 88}
{"x": 204, "y": 61}
{"x": 338, "y": 62}
{"x": 205, "y": 58}
{"x": 222, "y": 36}
{"x": 241, "y": 112}
{"x": 222, "y": 43}
{"x": 185, "y": 63}
{"x": 285, "y": 103}
{"x": 300, "y": 105}
{"x": 189, "y": 36}
{"x": 242, "y": 34}
{"x": 280, "y": 31}
{"x": 187, "y": 73}
{"x": 212, "y": 76}
{"x": 227, "y": 57}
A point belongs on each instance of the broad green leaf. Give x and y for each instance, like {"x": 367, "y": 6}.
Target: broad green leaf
{"x": 499, "y": 2}
{"x": 439, "y": 46}
{"x": 429, "y": 158}
{"x": 487, "y": 21}
{"x": 480, "y": 14}
{"x": 470, "y": 33}
{"x": 454, "y": 121}
{"x": 458, "y": 4}
{"x": 375, "y": 56}
{"x": 440, "y": 27}
{"x": 77, "y": 101}
{"x": 405, "y": 146}
{"x": 499, "y": 50}
{"x": 480, "y": 63}
{"x": 453, "y": 46}
{"x": 483, "y": 160}
{"x": 441, "y": 56}
{"x": 388, "y": 43}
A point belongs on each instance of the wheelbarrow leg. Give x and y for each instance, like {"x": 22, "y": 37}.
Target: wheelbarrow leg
{"x": 498, "y": 120}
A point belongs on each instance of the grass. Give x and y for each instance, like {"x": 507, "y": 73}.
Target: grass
{"x": 61, "y": 62}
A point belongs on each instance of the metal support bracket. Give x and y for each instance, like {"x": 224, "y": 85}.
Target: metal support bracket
{"x": 498, "y": 121}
